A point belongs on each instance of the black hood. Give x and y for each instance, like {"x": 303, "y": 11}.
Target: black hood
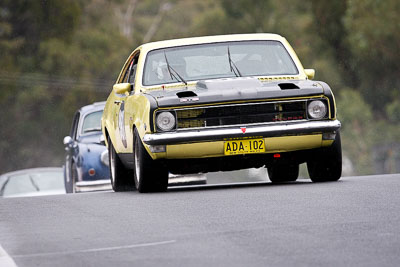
{"x": 234, "y": 89}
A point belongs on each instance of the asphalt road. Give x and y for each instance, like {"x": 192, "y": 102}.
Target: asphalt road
{"x": 353, "y": 222}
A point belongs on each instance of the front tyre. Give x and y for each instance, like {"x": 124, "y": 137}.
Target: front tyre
{"x": 73, "y": 176}
{"x": 121, "y": 177}
{"x": 150, "y": 175}
{"x": 326, "y": 164}
{"x": 282, "y": 173}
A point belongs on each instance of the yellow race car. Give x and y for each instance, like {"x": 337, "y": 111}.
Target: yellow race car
{"x": 219, "y": 103}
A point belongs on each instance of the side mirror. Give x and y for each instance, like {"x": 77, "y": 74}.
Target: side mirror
{"x": 68, "y": 141}
{"x": 310, "y": 73}
{"x": 122, "y": 88}
{"x": 102, "y": 140}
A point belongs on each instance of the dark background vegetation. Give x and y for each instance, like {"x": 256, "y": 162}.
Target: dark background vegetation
{"x": 58, "y": 55}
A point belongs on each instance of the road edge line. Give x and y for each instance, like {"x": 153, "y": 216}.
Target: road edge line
{"x": 93, "y": 250}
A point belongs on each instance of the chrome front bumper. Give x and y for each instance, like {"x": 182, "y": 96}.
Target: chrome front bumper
{"x": 188, "y": 179}
{"x": 269, "y": 130}
{"x": 88, "y": 186}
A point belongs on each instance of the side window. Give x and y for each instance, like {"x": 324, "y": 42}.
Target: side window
{"x": 74, "y": 127}
{"x": 129, "y": 76}
{"x": 132, "y": 72}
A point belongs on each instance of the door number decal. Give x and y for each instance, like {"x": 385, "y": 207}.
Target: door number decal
{"x": 121, "y": 126}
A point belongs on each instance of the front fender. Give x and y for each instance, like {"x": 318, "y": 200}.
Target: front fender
{"x": 329, "y": 94}
{"x": 138, "y": 114}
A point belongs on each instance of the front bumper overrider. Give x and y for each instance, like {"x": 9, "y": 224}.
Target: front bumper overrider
{"x": 226, "y": 133}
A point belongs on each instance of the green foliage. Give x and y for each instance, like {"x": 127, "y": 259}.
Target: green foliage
{"x": 328, "y": 23}
{"x": 34, "y": 21}
{"x": 357, "y": 123}
{"x": 393, "y": 111}
{"x": 374, "y": 41}
{"x": 212, "y": 23}
{"x": 247, "y": 15}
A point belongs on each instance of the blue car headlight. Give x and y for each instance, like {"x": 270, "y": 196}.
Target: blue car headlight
{"x": 104, "y": 157}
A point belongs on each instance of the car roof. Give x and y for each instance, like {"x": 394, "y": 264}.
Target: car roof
{"x": 92, "y": 107}
{"x": 30, "y": 170}
{"x": 211, "y": 39}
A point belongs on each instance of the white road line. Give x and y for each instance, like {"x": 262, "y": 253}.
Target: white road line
{"x": 93, "y": 250}
{"x": 5, "y": 259}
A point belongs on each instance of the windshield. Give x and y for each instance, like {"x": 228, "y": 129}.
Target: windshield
{"x": 26, "y": 183}
{"x": 92, "y": 122}
{"x": 217, "y": 60}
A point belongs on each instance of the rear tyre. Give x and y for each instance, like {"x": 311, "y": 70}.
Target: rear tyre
{"x": 282, "y": 173}
{"x": 150, "y": 175}
{"x": 326, "y": 164}
{"x": 121, "y": 177}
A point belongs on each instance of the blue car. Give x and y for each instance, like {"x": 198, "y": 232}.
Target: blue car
{"x": 86, "y": 161}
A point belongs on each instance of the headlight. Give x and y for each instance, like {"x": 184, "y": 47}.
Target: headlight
{"x": 104, "y": 157}
{"x": 165, "y": 121}
{"x": 316, "y": 109}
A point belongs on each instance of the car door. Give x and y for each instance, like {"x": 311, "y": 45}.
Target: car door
{"x": 121, "y": 124}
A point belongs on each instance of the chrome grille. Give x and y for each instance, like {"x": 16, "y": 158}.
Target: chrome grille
{"x": 241, "y": 114}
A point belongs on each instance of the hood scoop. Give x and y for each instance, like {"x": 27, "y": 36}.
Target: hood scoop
{"x": 183, "y": 94}
{"x": 288, "y": 86}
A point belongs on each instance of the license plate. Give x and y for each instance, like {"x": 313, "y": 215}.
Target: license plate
{"x": 248, "y": 146}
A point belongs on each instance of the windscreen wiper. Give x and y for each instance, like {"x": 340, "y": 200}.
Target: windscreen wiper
{"x": 3, "y": 187}
{"x": 233, "y": 66}
{"x": 34, "y": 183}
{"x": 170, "y": 69}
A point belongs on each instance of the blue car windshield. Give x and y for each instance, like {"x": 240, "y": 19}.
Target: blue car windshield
{"x": 217, "y": 60}
{"x": 92, "y": 122}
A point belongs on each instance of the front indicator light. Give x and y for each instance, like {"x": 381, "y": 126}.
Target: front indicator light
{"x": 316, "y": 109}
{"x": 92, "y": 172}
{"x": 329, "y": 136}
{"x": 165, "y": 121}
